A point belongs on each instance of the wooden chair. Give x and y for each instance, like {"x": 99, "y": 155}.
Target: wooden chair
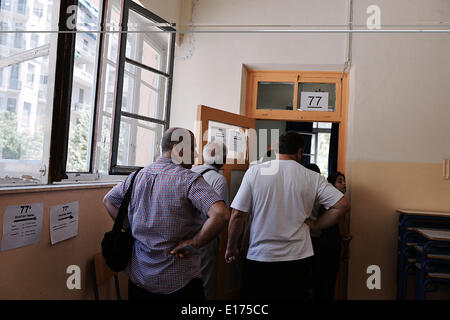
{"x": 102, "y": 273}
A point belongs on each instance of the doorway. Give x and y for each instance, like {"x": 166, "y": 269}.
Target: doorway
{"x": 321, "y": 141}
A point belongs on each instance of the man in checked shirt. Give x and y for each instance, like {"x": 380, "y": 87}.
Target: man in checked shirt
{"x": 171, "y": 207}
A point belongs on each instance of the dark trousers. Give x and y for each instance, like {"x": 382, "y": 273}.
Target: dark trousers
{"x": 192, "y": 291}
{"x": 325, "y": 266}
{"x": 284, "y": 280}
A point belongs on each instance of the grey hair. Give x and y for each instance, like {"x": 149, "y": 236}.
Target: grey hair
{"x": 220, "y": 153}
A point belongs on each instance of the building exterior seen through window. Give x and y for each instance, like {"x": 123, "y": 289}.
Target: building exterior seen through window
{"x": 27, "y": 81}
{"x": 26, "y": 107}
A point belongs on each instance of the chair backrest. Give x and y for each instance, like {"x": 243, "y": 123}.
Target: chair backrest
{"x": 102, "y": 273}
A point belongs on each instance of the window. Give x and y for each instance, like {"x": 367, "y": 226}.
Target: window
{"x": 30, "y": 74}
{"x": 14, "y": 82}
{"x": 11, "y": 105}
{"x": 38, "y": 10}
{"x": 81, "y": 96}
{"x": 34, "y": 41}
{"x": 26, "y": 114}
{"x": 295, "y": 95}
{"x": 84, "y": 85}
{"x": 5, "y": 5}
{"x": 84, "y": 107}
{"x": 44, "y": 80}
{"x": 19, "y": 37}
{"x": 21, "y": 6}
{"x": 318, "y": 142}
{"x": 3, "y": 36}
{"x": 2, "y": 105}
{"x": 143, "y": 95}
{"x": 142, "y": 115}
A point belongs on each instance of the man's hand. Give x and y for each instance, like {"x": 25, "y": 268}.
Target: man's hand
{"x": 182, "y": 253}
{"x": 231, "y": 255}
{"x": 311, "y": 224}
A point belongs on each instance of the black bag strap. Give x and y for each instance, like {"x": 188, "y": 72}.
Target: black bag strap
{"x": 206, "y": 170}
{"x": 118, "y": 223}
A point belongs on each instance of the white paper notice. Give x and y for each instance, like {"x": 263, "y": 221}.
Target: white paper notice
{"x": 22, "y": 225}
{"x": 314, "y": 101}
{"x": 63, "y": 222}
{"x": 233, "y": 137}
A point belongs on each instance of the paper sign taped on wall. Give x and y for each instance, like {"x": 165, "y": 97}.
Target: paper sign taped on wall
{"x": 22, "y": 225}
{"x": 63, "y": 222}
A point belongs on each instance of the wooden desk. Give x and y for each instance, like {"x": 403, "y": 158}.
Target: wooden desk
{"x": 434, "y": 234}
{"x": 424, "y": 213}
{"x": 409, "y": 222}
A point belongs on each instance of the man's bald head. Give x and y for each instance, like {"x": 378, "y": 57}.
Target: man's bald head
{"x": 179, "y": 145}
{"x": 173, "y": 136}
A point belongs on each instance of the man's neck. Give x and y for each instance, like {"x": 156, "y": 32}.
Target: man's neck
{"x": 286, "y": 157}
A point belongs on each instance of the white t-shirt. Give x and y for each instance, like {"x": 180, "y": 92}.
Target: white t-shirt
{"x": 280, "y": 203}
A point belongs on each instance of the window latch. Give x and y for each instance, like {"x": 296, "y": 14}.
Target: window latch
{"x": 43, "y": 170}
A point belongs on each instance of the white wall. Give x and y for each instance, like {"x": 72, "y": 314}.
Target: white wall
{"x": 169, "y": 10}
{"x": 402, "y": 101}
{"x": 402, "y": 75}
{"x": 212, "y": 74}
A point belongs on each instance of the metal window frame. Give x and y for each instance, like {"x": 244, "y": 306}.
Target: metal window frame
{"x": 62, "y": 97}
{"x": 59, "y": 140}
{"x": 128, "y": 5}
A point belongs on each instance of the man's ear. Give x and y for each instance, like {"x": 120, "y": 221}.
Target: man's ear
{"x": 299, "y": 155}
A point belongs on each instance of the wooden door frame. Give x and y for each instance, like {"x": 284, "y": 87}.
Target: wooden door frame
{"x": 340, "y": 115}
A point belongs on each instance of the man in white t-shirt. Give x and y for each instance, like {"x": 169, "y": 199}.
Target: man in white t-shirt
{"x": 280, "y": 194}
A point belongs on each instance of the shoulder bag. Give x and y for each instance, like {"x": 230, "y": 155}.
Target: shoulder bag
{"x": 117, "y": 245}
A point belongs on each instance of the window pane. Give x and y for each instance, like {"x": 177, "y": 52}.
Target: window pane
{"x": 107, "y": 93}
{"x": 5, "y": 5}
{"x": 25, "y": 102}
{"x": 143, "y": 92}
{"x": 22, "y": 121}
{"x": 138, "y": 142}
{"x": 112, "y": 38}
{"x": 323, "y": 150}
{"x": 329, "y": 88}
{"x": 83, "y": 87}
{"x": 21, "y": 6}
{"x": 103, "y": 144}
{"x": 275, "y": 95}
{"x": 149, "y": 47}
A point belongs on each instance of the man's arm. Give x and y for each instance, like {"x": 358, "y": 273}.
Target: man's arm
{"x": 235, "y": 231}
{"x": 113, "y": 211}
{"x": 218, "y": 215}
{"x": 329, "y": 217}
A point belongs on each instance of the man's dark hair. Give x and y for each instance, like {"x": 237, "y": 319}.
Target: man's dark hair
{"x": 313, "y": 167}
{"x": 166, "y": 141}
{"x": 333, "y": 177}
{"x": 290, "y": 143}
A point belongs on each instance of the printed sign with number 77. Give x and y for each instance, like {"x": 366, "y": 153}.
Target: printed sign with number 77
{"x": 314, "y": 101}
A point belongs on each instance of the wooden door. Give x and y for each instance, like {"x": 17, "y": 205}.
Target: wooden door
{"x": 229, "y": 277}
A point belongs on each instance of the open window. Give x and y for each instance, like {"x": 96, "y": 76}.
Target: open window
{"x": 109, "y": 127}
{"x": 27, "y": 77}
{"x": 143, "y": 89}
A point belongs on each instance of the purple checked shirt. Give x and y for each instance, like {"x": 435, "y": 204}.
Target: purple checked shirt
{"x": 169, "y": 204}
